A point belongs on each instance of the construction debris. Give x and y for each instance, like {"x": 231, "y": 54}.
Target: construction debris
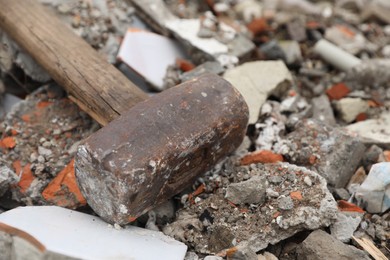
{"x": 224, "y": 219}
{"x": 142, "y": 60}
{"x": 320, "y": 245}
{"x": 257, "y": 81}
{"x": 39, "y": 137}
{"x": 27, "y": 232}
{"x": 373, "y": 131}
{"x": 331, "y": 152}
{"x": 315, "y": 76}
{"x": 374, "y": 192}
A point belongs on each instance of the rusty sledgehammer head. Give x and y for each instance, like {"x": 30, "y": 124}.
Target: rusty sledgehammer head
{"x": 159, "y": 147}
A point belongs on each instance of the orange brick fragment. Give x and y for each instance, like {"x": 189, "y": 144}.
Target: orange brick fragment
{"x": 63, "y": 190}
{"x": 258, "y": 26}
{"x": 17, "y": 167}
{"x": 361, "y": 117}
{"x": 14, "y": 132}
{"x": 198, "y": 191}
{"x": 185, "y": 65}
{"x": 26, "y": 118}
{"x": 313, "y": 25}
{"x": 387, "y": 155}
{"x": 261, "y": 156}
{"x": 296, "y": 195}
{"x": 8, "y": 142}
{"x": 347, "y": 206}
{"x": 373, "y": 103}
{"x": 44, "y": 104}
{"x": 132, "y": 219}
{"x": 292, "y": 93}
{"x": 231, "y": 251}
{"x": 338, "y": 91}
{"x": 312, "y": 159}
{"x": 26, "y": 178}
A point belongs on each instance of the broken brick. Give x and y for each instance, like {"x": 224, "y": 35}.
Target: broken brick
{"x": 63, "y": 190}
{"x": 361, "y": 117}
{"x": 387, "y": 155}
{"x": 296, "y": 195}
{"x": 231, "y": 251}
{"x": 17, "y": 167}
{"x": 26, "y": 178}
{"x": 261, "y": 156}
{"x": 373, "y": 103}
{"x": 26, "y": 118}
{"x": 184, "y": 65}
{"x": 347, "y": 206}
{"x": 258, "y": 26}
{"x": 338, "y": 91}
{"x": 8, "y": 142}
{"x": 312, "y": 159}
{"x": 44, "y": 104}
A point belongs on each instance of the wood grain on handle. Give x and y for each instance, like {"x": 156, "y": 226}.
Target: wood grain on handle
{"x": 94, "y": 84}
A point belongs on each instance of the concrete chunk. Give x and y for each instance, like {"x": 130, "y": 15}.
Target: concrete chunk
{"x": 373, "y": 131}
{"x": 249, "y": 191}
{"x": 345, "y": 225}
{"x": 321, "y": 245}
{"x": 374, "y": 193}
{"x": 332, "y": 153}
{"x": 257, "y": 81}
{"x": 349, "y": 108}
{"x": 322, "y": 110}
{"x": 240, "y": 225}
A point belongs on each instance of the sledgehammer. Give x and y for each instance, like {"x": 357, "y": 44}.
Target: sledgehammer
{"x": 152, "y": 148}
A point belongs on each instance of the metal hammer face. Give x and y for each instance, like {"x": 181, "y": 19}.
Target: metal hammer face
{"x": 159, "y": 147}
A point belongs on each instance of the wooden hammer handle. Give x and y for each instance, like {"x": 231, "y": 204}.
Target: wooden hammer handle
{"x": 94, "y": 84}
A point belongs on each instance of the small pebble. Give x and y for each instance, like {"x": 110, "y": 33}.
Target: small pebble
{"x": 285, "y": 203}
{"x": 308, "y": 181}
{"x": 271, "y": 193}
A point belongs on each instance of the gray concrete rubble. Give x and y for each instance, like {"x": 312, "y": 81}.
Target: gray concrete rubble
{"x": 374, "y": 193}
{"x": 352, "y": 44}
{"x": 221, "y": 43}
{"x": 350, "y": 108}
{"x": 345, "y": 225}
{"x": 321, "y": 245}
{"x": 257, "y": 81}
{"x": 99, "y": 23}
{"x": 251, "y": 191}
{"x": 310, "y": 179}
{"x": 373, "y": 131}
{"x": 219, "y": 224}
{"x": 372, "y": 73}
{"x": 11, "y": 54}
{"x": 227, "y": 52}
{"x": 270, "y": 127}
{"x": 322, "y": 110}
{"x": 241, "y": 253}
{"x": 44, "y": 130}
{"x": 292, "y": 51}
{"x": 207, "y": 67}
{"x": 329, "y": 151}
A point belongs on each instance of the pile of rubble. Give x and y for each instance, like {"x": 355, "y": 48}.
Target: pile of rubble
{"x": 311, "y": 179}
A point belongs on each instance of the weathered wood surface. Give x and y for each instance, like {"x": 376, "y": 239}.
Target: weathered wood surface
{"x": 94, "y": 84}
